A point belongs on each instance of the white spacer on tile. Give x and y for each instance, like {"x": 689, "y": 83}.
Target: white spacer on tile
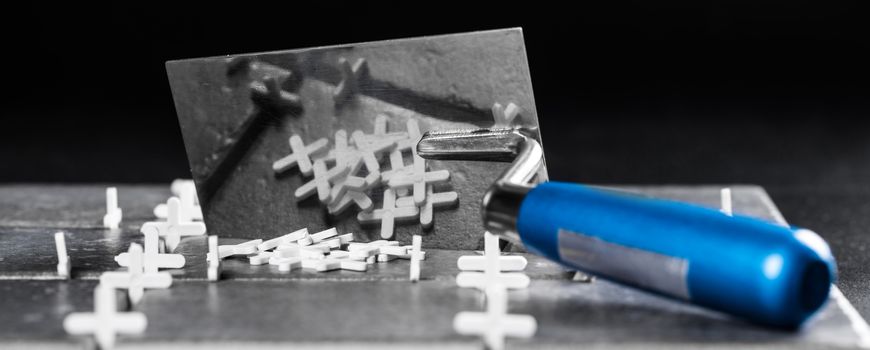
{"x": 321, "y": 247}
{"x": 189, "y": 209}
{"x": 214, "y": 260}
{"x": 492, "y": 272}
{"x": 304, "y": 241}
{"x": 379, "y": 243}
{"x": 286, "y": 264}
{"x": 136, "y": 278}
{"x": 285, "y": 239}
{"x": 178, "y": 185}
{"x": 339, "y": 254}
{"x": 152, "y": 259}
{"x": 173, "y": 228}
{"x": 113, "y": 216}
{"x": 301, "y": 156}
{"x": 725, "y": 198}
{"x": 350, "y": 76}
{"x": 418, "y": 178}
{"x": 363, "y": 251}
{"x": 323, "y": 235}
{"x": 351, "y": 265}
{"x": 408, "y": 256}
{"x": 63, "y": 265}
{"x": 287, "y": 250}
{"x": 479, "y": 263}
{"x": 385, "y": 258}
{"x": 346, "y": 238}
{"x": 246, "y": 248}
{"x": 393, "y": 250}
{"x": 308, "y": 253}
{"x": 416, "y": 256}
{"x": 105, "y": 322}
{"x": 333, "y": 243}
{"x": 495, "y": 324}
{"x": 389, "y": 214}
{"x": 504, "y": 116}
{"x": 321, "y": 265}
{"x": 431, "y": 201}
{"x": 261, "y": 258}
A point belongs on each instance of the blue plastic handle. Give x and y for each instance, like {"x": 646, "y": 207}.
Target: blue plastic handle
{"x": 743, "y": 266}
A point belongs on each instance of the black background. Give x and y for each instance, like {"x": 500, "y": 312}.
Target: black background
{"x": 773, "y": 94}
{"x": 768, "y": 93}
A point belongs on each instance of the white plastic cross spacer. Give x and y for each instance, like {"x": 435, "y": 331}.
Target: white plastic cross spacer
{"x": 343, "y": 154}
{"x": 350, "y": 191}
{"x": 432, "y": 201}
{"x": 286, "y": 263}
{"x": 323, "y": 235}
{"x": 397, "y": 158}
{"x": 492, "y": 271}
{"x": 380, "y": 131}
{"x": 369, "y": 149}
{"x": 388, "y": 214}
{"x": 105, "y": 322}
{"x": 174, "y": 228}
{"x": 416, "y": 256}
{"x": 152, "y": 259}
{"x": 246, "y": 248}
{"x": 261, "y": 258}
{"x": 417, "y": 178}
{"x": 495, "y": 324}
{"x": 301, "y": 156}
{"x": 188, "y": 209}
{"x": 414, "y": 136}
{"x": 178, "y": 185}
{"x": 352, "y": 265}
{"x": 504, "y": 116}
{"x": 725, "y": 198}
{"x": 63, "y": 265}
{"x": 214, "y": 260}
{"x": 136, "y": 279}
{"x": 479, "y": 262}
{"x": 320, "y": 183}
{"x": 291, "y": 237}
{"x": 321, "y": 265}
{"x": 363, "y": 251}
{"x": 113, "y": 216}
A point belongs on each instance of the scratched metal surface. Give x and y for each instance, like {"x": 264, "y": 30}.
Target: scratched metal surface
{"x": 444, "y": 82}
{"x": 257, "y": 307}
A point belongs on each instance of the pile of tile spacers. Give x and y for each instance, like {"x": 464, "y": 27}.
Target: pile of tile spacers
{"x": 409, "y": 194}
{"x": 323, "y": 251}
